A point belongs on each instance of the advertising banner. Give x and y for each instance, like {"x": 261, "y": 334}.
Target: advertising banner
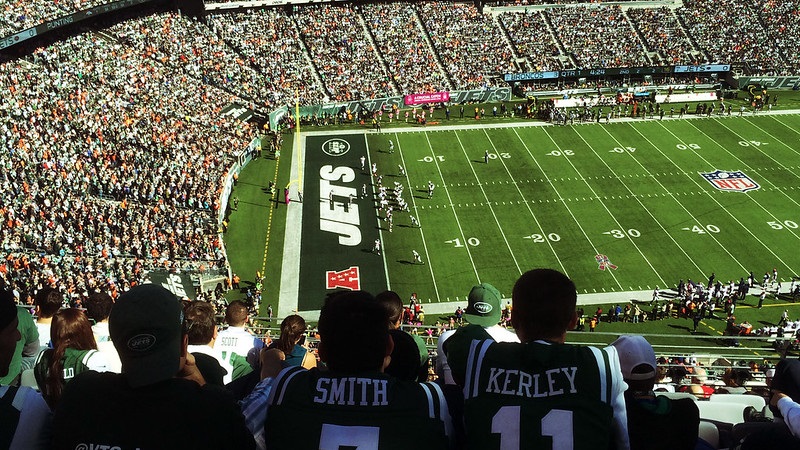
{"x": 432, "y": 97}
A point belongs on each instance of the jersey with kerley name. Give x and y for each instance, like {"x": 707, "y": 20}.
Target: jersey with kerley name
{"x": 542, "y": 395}
{"x": 366, "y": 411}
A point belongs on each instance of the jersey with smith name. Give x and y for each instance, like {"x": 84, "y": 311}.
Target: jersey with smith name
{"x": 318, "y": 409}
{"x": 542, "y": 395}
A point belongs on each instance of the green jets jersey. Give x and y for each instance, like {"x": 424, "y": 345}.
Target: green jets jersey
{"x": 537, "y": 395}
{"x": 318, "y": 409}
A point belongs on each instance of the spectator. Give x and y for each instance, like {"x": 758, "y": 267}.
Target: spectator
{"x": 27, "y": 348}
{"x": 202, "y": 337}
{"x": 26, "y": 417}
{"x": 555, "y": 382}
{"x": 48, "y": 301}
{"x": 383, "y": 409}
{"x": 98, "y": 308}
{"x": 675, "y": 422}
{"x": 160, "y": 388}
{"x": 74, "y": 351}
{"x": 698, "y": 385}
{"x": 292, "y": 343}
{"x": 237, "y": 343}
{"x": 393, "y": 305}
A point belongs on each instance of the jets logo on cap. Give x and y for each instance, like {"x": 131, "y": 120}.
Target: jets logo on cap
{"x": 347, "y": 279}
{"x": 335, "y": 147}
{"x": 732, "y": 181}
{"x": 141, "y": 342}
{"x": 482, "y": 307}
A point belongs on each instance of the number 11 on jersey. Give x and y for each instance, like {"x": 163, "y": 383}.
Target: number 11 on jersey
{"x": 557, "y": 424}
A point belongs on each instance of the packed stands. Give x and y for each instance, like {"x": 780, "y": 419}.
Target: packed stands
{"x": 664, "y": 35}
{"x": 23, "y": 14}
{"x": 471, "y": 45}
{"x": 529, "y": 34}
{"x": 401, "y": 39}
{"x": 782, "y": 22}
{"x": 597, "y": 36}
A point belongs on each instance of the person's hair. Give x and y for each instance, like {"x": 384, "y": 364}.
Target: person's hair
{"x": 353, "y": 332}
{"x": 49, "y": 301}
{"x": 544, "y": 303}
{"x": 70, "y": 329}
{"x": 292, "y": 328}
{"x": 236, "y": 313}
{"x": 393, "y": 305}
{"x": 98, "y": 306}
{"x": 200, "y": 316}
{"x": 642, "y": 385}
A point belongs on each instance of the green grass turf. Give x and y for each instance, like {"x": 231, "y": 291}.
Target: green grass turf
{"x": 533, "y": 205}
{"x": 559, "y": 196}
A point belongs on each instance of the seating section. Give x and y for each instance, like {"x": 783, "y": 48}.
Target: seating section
{"x": 664, "y": 35}
{"x": 526, "y": 33}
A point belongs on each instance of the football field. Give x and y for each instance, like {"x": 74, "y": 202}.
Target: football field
{"x": 619, "y": 207}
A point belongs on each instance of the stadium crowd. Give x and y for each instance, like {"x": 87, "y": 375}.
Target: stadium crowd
{"x": 195, "y": 369}
{"x": 526, "y": 33}
{"x": 471, "y": 45}
{"x": 663, "y": 34}
{"x": 597, "y": 36}
{"x": 23, "y": 14}
{"x": 270, "y": 41}
{"x": 112, "y": 166}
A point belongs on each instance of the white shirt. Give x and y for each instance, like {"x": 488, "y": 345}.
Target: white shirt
{"x": 236, "y": 340}
{"x": 216, "y": 354}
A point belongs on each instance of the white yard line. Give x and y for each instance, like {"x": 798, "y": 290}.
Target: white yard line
{"x": 722, "y": 208}
{"x": 450, "y": 200}
{"x": 480, "y": 185}
{"x": 630, "y": 155}
{"x": 416, "y": 214}
{"x": 630, "y": 239}
{"x": 561, "y": 198}
{"x": 527, "y": 205}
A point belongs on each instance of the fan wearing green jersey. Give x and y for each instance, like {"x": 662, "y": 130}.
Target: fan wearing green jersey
{"x": 540, "y": 393}
{"x": 353, "y": 403}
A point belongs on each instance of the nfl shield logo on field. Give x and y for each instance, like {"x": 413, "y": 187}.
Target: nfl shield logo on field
{"x": 733, "y": 181}
{"x": 347, "y": 279}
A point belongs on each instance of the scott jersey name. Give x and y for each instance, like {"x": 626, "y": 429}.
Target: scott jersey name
{"x": 352, "y": 391}
{"x": 532, "y": 385}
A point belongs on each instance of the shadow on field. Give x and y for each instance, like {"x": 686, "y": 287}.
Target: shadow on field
{"x": 679, "y": 327}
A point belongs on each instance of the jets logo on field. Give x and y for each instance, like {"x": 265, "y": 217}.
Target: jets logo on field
{"x": 346, "y": 279}
{"x": 603, "y": 262}
{"x": 733, "y": 181}
{"x": 336, "y": 147}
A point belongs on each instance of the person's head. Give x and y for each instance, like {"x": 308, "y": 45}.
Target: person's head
{"x": 48, "y": 301}
{"x": 699, "y": 375}
{"x": 637, "y": 361}
{"x": 543, "y": 303}
{"x": 70, "y": 329}
{"x": 393, "y": 305}
{"x": 353, "y": 333}
{"x": 292, "y": 329}
{"x": 236, "y": 313}
{"x": 98, "y": 306}
{"x": 484, "y": 304}
{"x": 202, "y": 326}
{"x": 9, "y": 330}
{"x": 147, "y": 328}
{"x": 405, "y": 363}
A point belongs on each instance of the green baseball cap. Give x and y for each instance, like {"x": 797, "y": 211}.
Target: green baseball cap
{"x": 484, "y": 305}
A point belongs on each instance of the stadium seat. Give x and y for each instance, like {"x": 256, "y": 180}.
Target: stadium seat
{"x": 678, "y": 395}
{"x": 709, "y": 433}
{"x": 726, "y": 412}
{"x": 756, "y": 401}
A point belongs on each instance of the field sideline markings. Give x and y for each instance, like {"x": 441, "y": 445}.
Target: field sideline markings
{"x": 377, "y": 215}
{"x": 450, "y": 199}
{"x": 770, "y": 214}
{"x": 269, "y": 222}
{"x": 419, "y": 219}
{"x": 614, "y": 217}
{"x": 496, "y": 220}
{"x": 552, "y": 186}
{"x": 696, "y": 182}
